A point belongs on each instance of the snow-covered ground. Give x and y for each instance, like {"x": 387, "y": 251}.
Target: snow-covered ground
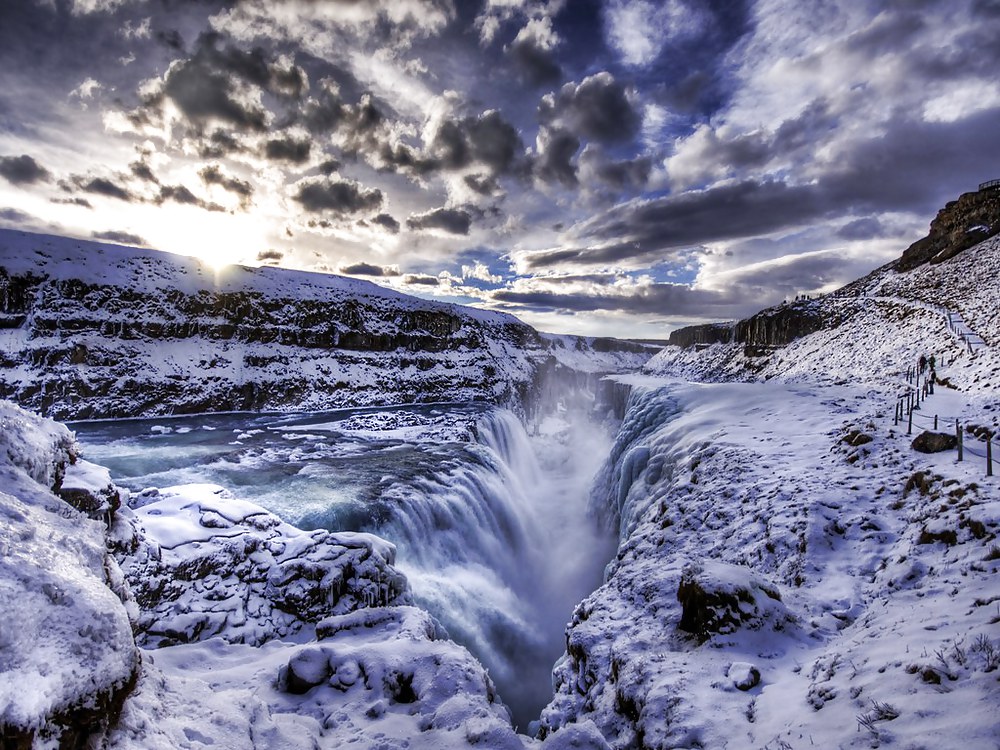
{"x": 792, "y": 573}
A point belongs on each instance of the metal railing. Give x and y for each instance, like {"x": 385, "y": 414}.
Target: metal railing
{"x": 989, "y": 185}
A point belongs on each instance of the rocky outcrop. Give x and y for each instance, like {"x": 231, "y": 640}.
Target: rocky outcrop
{"x": 98, "y": 331}
{"x": 775, "y": 326}
{"x": 701, "y": 335}
{"x": 720, "y": 598}
{"x": 203, "y": 564}
{"x": 958, "y": 226}
{"x": 67, "y": 653}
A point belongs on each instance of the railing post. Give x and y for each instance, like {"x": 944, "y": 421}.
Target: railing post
{"x": 989, "y": 456}
{"x": 909, "y": 427}
{"x": 958, "y": 437}
{"x": 935, "y": 423}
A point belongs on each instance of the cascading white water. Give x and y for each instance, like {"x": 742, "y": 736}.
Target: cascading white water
{"x": 500, "y": 551}
{"x": 491, "y": 525}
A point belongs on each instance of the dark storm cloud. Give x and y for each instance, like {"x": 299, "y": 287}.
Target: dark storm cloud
{"x": 661, "y": 299}
{"x": 328, "y": 166}
{"x": 368, "y": 269}
{"x": 218, "y": 145}
{"x": 15, "y": 216}
{"x": 22, "y": 170}
{"x": 270, "y": 256}
{"x": 554, "y": 162}
{"x": 488, "y": 140}
{"x": 99, "y": 186}
{"x": 182, "y": 195}
{"x": 599, "y": 107}
{"x": 82, "y": 202}
{"x": 122, "y": 238}
{"x": 862, "y": 229}
{"x": 339, "y": 196}
{"x": 213, "y": 175}
{"x": 421, "y": 280}
{"x": 628, "y": 174}
{"x": 288, "y": 149}
{"x": 451, "y": 220}
{"x": 208, "y": 85}
{"x": 386, "y": 221}
{"x": 483, "y": 184}
{"x": 143, "y": 171}
{"x": 537, "y": 66}
{"x": 908, "y": 168}
{"x": 323, "y": 113}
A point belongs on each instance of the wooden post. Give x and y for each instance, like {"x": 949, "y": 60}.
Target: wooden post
{"x": 958, "y": 437}
{"x": 909, "y": 427}
{"x": 989, "y": 456}
{"x": 935, "y": 423}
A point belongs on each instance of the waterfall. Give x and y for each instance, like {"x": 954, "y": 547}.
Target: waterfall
{"x": 500, "y": 551}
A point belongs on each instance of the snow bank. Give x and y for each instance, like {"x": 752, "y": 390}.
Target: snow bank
{"x": 67, "y": 654}
{"x": 205, "y": 564}
{"x": 851, "y": 582}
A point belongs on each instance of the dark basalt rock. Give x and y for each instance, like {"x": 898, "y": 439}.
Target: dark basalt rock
{"x": 934, "y": 442}
{"x": 702, "y": 335}
{"x": 958, "y": 226}
{"x": 717, "y": 598}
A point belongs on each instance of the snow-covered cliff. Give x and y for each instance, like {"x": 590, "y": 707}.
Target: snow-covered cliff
{"x": 90, "y": 330}
{"x": 793, "y": 571}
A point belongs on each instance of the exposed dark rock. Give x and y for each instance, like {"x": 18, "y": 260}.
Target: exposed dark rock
{"x": 702, "y": 335}
{"x": 721, "y": 598}
{"x": 934, "y": 442}
{"x": 958, "y": 226}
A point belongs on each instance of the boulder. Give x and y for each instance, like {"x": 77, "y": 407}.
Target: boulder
{"x": 934, "y": 442}
{"x": 203, "y": 563}
{"x": 718, "y": 598}
{"x": 744, "y": 675}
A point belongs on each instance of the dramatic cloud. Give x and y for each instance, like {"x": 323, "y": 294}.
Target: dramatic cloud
{"x": 450, "y": 220}
{"x": 270, "y": 256}
{"x": 336, "y": 196}
{"x": 22, "y": 170}
{"x": 288, "y": 149}
{"x": 367, "y": 269}
{"x": 387, "y": 222}
{"x": 182, "y": 195}
{"x": 213, "y": 175}
{"x": 599, "y": 107}
{"x": 421, "y": 280}
{"x": 615, "y": 166}
{"x": 122, "y": 238}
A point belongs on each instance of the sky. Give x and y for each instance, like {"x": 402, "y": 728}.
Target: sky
{"x": 604, "y": 167}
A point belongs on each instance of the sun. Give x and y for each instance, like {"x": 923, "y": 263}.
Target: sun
{"x": 216, "y": 238}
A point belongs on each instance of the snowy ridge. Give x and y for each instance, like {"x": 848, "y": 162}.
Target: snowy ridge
{"x": 878, "y": 326}
{"x": 147, "y": 272}
{"x": 89, "y": 330}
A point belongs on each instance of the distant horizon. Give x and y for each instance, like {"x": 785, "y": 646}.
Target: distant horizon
{"x": 602, "y": 167}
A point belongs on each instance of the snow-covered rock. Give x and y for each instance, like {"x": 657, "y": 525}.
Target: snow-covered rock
{"x": 89, "y": 330}
{"x": 67, "y": 656}
{"x": 207, "y": 564}
{"x": 836, "y": 579}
